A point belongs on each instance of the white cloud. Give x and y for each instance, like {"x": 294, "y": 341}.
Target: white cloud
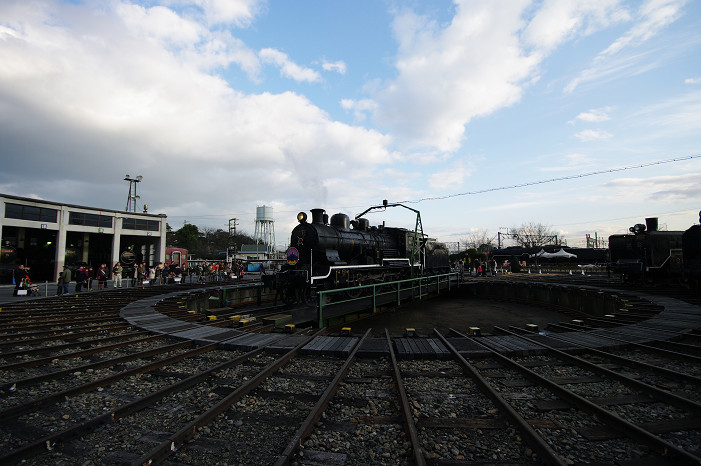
{"x": 477, "y": 64}
{"x": 569, "y": 162}
{"x": 652, "y": 17}
{"x": 337, "y": 66}
{"x": 595, "y": 115}
{"x": 132, "y": 100}
{"x": 187, "y": 39}
{"x": 161, "y": 24}
{"x": 447, "y": 76}
{"x": 676, "y": 118}
{"x": 287, "y": 67}
{"x": 557, "y": 20}
{"x": 658, "y": 188}
{"x": 692, "y": 80}
{"x": 592, "y": 135}
{"x": 237, "y": 12}
{"x": 360, "y": 107}
{"x": 451, "y": 178}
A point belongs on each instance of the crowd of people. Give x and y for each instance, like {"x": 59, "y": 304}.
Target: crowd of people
{"x": 23, "y": 284}
{"x": 476, "y": 267}
{"x": 88, "y": 278}
{"x": 141, "y": 274}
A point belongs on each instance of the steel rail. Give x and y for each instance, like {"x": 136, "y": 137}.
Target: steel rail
{"x": 679, "y": 346}
{"x": 29, "y": 381}
{"x": 313, "y": 417}
{"x": 653, "y": 349}
{"x": 29, "y": 406}
{"x": 621, "y": 359}
{"x": 76, "y": 354}
{"x": 545, "y": 452}
{"x": 39, "y": 446}
{"x": 159, "y": 453}
{"x": 49, "y": 349}
{"x": 34, "y": 323}
{"x": 664, "y": 395}
{"x": 612, "y": 420}
{"x": 60, "y": 327}
{"x": 82, "y": 334}
{"x": 645, "y": 323}
{"x": 409, "y": 424}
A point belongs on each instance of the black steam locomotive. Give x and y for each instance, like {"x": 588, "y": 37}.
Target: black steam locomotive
{"x": 650, "y": 255}
{"x": 343, "y": 253}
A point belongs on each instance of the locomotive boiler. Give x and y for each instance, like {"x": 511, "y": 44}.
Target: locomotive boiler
{"x": 340, "y": 252}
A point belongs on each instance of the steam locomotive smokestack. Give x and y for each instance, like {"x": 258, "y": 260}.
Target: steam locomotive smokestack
{"x": 318, "y": 216}
{"x": 651, "y": 223}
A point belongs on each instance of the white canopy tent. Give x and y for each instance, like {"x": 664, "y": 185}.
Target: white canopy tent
{"x": 561, "y": 254}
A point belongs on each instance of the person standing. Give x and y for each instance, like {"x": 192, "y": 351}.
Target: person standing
{"x": 67, "y": 277}
{"x": 117, "y": 275}
{"x": 18, "y": 277}
{"x": 102, "y": 277}
{"x": 141, "y": 273}
{"x": 90, "y": 277}
{"x": 59, "y": 288}
{"x": 79, "y": 279}
{"x": 185, "y": 272}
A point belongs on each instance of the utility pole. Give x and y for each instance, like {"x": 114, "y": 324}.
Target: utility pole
{"x": 232, "y": 226}
{"x": 499, "y": 233}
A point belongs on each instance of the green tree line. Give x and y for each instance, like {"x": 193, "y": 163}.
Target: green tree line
{"x": 206, "y": 243}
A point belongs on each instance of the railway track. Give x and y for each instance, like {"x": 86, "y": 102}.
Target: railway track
{"x": 81, "y": 386}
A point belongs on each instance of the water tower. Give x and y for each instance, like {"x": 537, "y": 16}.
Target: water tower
{"x": 265, "y": 227}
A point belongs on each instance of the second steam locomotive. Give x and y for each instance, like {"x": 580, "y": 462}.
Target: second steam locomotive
{"x": 648, "y": 254}
{"x": 341, "y": 253}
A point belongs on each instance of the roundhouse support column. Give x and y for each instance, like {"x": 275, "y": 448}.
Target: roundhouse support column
{"x": 116, "y": 240}
{"x": 161, "y": 248}
{"x": 60, "y": 259}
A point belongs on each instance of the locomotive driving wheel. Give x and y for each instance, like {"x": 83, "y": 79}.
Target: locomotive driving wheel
{"x": 291, "y": 294}
{"x": 288, "y": 294}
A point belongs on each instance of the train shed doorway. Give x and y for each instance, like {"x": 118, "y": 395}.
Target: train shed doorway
{"x": 32, "y": 247}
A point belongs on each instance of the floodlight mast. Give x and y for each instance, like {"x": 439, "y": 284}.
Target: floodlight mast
{"x": 418, "y": 246}
{"x": 131, "y": 200}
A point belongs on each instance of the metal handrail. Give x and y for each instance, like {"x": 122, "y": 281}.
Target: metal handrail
{"x": 431, "y": 279}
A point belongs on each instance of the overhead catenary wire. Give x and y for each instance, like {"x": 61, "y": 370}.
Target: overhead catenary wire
{"x": 501, "y": 188}
{"x": 552, "y": 180}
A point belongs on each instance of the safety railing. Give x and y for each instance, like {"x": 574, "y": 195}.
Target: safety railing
{"x": 401, "y": 289}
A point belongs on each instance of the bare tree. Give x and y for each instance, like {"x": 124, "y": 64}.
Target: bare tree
{"x": 479, "y": 240}
{"x": 533, "y": 235}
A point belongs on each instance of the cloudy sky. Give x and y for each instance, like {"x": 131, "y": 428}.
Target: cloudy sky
{"x": 584, "y": 115}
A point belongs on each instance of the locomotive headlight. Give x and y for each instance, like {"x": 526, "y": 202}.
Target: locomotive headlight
{"x": 301, "y": 217}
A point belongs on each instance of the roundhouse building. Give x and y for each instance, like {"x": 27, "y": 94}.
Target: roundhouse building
{"x": 47, "y": 235}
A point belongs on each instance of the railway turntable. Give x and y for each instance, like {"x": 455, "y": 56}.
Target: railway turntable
{"x": 137, "y": 377}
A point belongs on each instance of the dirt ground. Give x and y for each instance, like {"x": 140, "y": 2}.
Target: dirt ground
{"x": 443, "y": 313}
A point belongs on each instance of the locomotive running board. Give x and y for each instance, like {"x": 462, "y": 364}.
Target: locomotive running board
{"x": 390, "y": 262}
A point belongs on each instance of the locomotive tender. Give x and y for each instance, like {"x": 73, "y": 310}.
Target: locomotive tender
{"x": 343, "y": 253}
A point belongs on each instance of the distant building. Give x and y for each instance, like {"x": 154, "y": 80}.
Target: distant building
{"x": 46, "y": 235}
{"x": 254, "y": 252}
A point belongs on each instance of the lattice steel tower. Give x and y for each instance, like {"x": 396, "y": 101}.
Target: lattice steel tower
{"x": 265, "y": 228}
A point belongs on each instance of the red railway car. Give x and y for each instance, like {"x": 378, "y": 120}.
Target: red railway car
{"x": 176, "y": 256}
